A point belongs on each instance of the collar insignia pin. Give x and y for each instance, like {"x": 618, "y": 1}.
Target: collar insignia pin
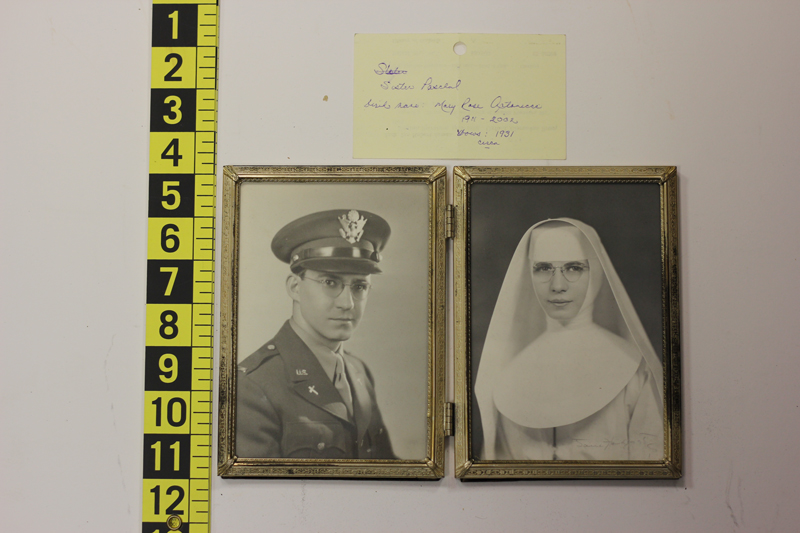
{"x": 352, "y": 226}
{"x": 300, "y": 371}
{"x": 312, "y": 389}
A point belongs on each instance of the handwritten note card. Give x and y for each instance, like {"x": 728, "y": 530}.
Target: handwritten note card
{"x": 504, "y": 97}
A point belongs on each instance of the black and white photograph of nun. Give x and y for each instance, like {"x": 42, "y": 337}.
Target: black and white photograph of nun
{"x": 567, "y": 371}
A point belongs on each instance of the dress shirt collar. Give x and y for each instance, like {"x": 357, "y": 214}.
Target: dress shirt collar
{"x": 327, "y": 358}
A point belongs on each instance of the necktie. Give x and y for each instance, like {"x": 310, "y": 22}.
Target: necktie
{"x": 342, "y": 385}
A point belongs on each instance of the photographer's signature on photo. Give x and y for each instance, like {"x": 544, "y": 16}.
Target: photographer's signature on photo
{"x": 648, "y": 441}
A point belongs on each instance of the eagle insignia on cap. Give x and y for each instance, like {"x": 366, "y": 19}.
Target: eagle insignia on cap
{"x": 352, "y": 226}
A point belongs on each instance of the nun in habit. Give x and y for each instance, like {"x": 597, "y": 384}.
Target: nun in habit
{"x": 567, "y": 371}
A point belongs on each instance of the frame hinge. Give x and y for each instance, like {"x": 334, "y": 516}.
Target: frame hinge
{"x": 449, "y": 419}
{"x": 450, "y": 222}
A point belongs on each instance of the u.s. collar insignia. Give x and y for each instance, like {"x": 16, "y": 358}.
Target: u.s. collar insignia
{"x": 352, "y": 226}
{"x": 301, "y": 371}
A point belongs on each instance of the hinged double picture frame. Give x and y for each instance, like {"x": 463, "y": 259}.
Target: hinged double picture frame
{"x": 566, "y": 337}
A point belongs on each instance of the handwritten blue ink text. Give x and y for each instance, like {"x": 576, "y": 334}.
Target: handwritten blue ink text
{"x": 467, "y": 105}
{"x": 512, "y": 120}
{"x": 384, "y": 105}
{"x": 445, "y": 107}
{"x": 430, "y": 86}
{"x": 498, "y": 104}
{"x": 386, "y": 68}
{"x": 396, "y": 87}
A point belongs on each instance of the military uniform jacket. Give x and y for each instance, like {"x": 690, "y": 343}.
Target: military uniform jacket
{"x": 287, "y": 406}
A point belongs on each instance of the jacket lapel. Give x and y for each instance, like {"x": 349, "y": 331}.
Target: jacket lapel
{"x": 362, "y": 400}
{"x": 306, "y": 375}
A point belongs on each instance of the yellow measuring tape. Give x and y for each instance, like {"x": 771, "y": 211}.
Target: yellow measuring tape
{"x": 179, "y": 327}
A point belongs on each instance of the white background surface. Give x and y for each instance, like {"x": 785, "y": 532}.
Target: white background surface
{"x": 711, "y": 87}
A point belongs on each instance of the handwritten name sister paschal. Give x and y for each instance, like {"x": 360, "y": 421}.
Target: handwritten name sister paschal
{"x": 430, "y": 86}
{"x": 498, "y": 103}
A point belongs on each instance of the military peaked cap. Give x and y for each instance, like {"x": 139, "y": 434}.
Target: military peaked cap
{"x": 339, "y": 240}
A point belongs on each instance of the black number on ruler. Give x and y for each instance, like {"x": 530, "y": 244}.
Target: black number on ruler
{"x": 170, "y": 241}
{"x": 173, "y": 145}
{"x": 170, "y": 281}
{"x": 171, "y": 509}
{"x": 171, "y": 195}
{"x": 172, "y": 419}
{"x": 178, "y": 62}
{"x": 168, "y": 369}
{"x": 169, "y": 325}
{"x": 166, "y": 456}
{"x": 174, "y": 25}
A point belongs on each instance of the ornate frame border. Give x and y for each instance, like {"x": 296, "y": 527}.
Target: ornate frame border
{"x": 429, "y": 467}
{"x": 467, "y": 466}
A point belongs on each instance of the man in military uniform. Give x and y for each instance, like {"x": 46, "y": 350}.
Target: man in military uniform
{"x": 301, "y": 395}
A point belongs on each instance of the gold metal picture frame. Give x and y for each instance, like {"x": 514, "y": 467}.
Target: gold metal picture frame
{"x": 567, "y": 341}
{"x": 332, "y": 351}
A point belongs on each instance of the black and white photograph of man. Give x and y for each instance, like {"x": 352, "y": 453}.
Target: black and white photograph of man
{"x": 332, "y": 321}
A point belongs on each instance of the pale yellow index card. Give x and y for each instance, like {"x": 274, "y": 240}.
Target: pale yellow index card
{"x": 415, "y": 97}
